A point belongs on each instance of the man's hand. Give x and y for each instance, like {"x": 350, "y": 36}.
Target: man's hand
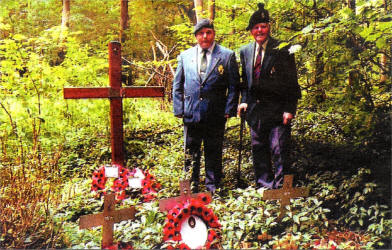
{"x": 287, "y": 117}
{"x": 242, "y": 108}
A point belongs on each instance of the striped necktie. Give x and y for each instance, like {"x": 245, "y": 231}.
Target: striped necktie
{"x": 257, "y": 68}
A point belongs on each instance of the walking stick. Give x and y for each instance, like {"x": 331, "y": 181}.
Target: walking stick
{"x": 240, "y": 183}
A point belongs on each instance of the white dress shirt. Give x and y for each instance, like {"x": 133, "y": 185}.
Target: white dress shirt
{"x": 264, "y": 45}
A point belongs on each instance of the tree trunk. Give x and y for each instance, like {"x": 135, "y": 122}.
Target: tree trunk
{"x": 352, "y": 74}
{"x": 351, "y": 4}
{"x": 63, "y": 35}
{"x": 211, "y": 9}
{"x": 65, "y": 15}
{"x": 189, "y": 12}
{"x": 124, "y": 19}
{"x": 198, "y": 9}
{"x": 383, "y": 59}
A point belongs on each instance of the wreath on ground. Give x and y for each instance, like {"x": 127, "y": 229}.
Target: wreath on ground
{"x": 188, "y": 214}
{"x": 125, "y": 181}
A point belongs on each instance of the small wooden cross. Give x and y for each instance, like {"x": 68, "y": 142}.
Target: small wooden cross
{"x": 115, "y": 93}
{"x": 285, "y": 194}
{"x": 185, "y": 194}
{"x": 107, "y": 219}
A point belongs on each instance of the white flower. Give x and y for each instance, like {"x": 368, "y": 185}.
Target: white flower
{"x": 294, "y": 48}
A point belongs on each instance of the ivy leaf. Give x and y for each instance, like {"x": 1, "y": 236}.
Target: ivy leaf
{"x": 296, "y": 219}
{"x": 307, "y": 29}
{"x": 238, "y": 234}
{"x": 241, "y": 224}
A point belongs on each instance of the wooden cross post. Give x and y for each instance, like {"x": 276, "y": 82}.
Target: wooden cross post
{"x": 285, "y": 194}
{"x": 185, "y": 194}
{"x": 107, "y": 219}
{"x": 115, "y": 93}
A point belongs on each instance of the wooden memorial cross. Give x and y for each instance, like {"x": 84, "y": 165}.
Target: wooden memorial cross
{"x": 115, "y": 93}
{"x": 285, "y": 194}
{"x": 185, "y": 194}
{"x": 107, "y": 219}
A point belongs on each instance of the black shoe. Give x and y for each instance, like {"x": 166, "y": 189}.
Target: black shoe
{"x": 194, "y": 187}
{"x": 278, "y": 183}
{"x": 268, "y": 185}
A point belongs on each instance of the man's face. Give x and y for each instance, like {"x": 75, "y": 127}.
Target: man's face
{"x": 205, "y": 37}
{"x": 260, "y": 32}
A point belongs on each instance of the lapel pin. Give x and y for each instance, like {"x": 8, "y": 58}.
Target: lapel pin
{"x": 221, "y": 70}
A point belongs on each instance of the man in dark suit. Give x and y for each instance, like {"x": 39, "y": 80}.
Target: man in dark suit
{"x": 205, "y": 94}
{"x": 269, "y": 97}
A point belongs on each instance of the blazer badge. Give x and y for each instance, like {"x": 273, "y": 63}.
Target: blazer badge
{"x": 272, "y": 70}
{"x": 221, "y": 69}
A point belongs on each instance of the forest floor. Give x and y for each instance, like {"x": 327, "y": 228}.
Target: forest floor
{"x": 348, "y": 204}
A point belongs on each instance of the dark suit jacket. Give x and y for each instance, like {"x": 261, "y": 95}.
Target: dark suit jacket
{"x": 207, "y": 99}
{"x": 279, "y": 90}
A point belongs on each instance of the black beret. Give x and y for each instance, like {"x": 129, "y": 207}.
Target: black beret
{"x": 203, "y": 23}
{"x": 260, "y": 16}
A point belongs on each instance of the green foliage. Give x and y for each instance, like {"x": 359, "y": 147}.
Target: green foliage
{"x": 339, "y": 200}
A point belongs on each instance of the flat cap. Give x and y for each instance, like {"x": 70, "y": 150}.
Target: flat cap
{"x": 203, "y": 23}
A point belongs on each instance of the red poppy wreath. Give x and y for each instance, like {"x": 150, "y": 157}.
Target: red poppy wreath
{"x": 192, "y": 225}
{"x": 122, "y": 179}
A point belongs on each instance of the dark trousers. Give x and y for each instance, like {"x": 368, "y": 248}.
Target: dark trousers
{"x": 269, "y": 143}
{"x": 211, "y": 134}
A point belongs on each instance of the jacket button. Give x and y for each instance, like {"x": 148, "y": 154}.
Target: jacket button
{"x": 201, "y": 98}
{"x": 258, "y": 101}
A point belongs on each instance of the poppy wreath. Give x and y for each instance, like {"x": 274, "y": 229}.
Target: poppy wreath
{"x": 120, "y": 185}
{"x": 150, "y": 185}
{"x": 197, "y": 207}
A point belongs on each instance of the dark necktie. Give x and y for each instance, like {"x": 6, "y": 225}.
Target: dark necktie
{"x": 257, "y": 68}
{"x": 203, "y": 63}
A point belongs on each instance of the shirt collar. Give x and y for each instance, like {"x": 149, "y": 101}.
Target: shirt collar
{"x": 264, "y": 45}
{"x": 210, "y": 49}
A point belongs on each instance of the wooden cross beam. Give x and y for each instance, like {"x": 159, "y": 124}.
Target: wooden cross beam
{"x": 285, "y": 194}
{"x": 115, "y": 93}
{"x": 185, "y": 194}
{"x": 107, "y": 219}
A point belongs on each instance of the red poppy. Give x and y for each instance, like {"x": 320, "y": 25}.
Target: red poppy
{"x": 183, "y": 246}
{"x": 168, "y": 234}
{"x": 206, "y": 199}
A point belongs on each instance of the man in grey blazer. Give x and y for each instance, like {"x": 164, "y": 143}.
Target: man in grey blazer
{"x": 269, "y": 97}
{"x": 205, "y": 94}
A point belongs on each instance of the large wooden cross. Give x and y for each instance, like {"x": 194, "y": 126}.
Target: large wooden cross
{"x": 285, "y": 194}
{"x": 107, "y": 219}
{"x": 115, "y": 93}
{"x": 185, "y": 194}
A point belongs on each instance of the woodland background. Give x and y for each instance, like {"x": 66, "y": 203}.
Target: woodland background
{"x": 49, "y": 146}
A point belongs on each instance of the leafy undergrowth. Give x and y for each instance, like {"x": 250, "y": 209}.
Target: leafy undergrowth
{"x": 348, "y": 205}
